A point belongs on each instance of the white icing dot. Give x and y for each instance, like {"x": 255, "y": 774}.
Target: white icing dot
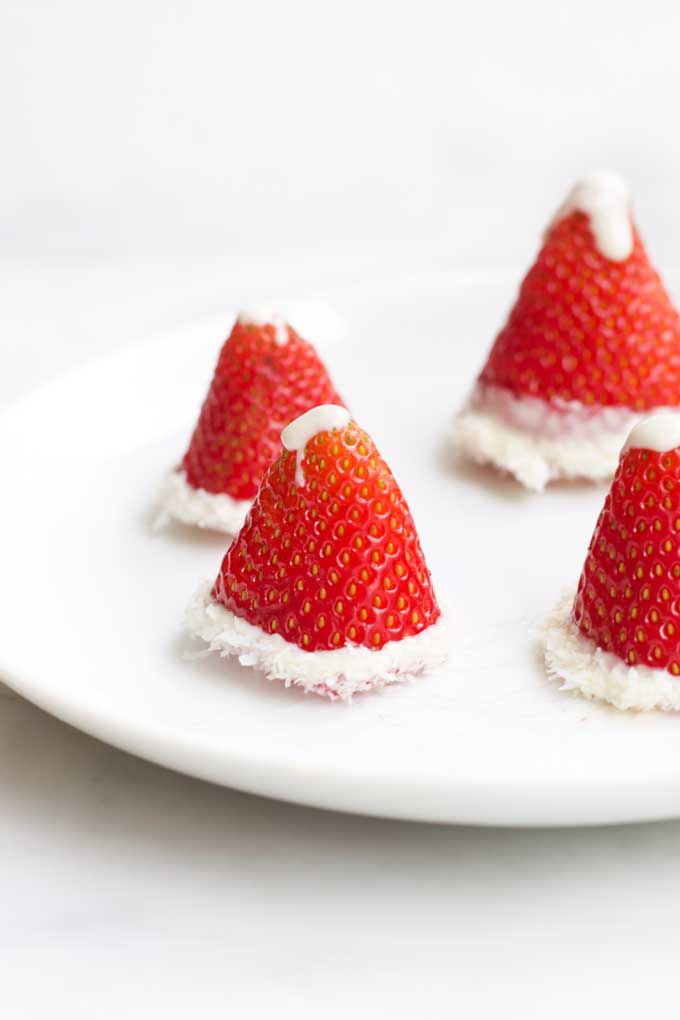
{"x": 265, "y": 317}
{"x": 323, "y": 418}
{"x": 659, "y": 432}
{"x": 604, "y": 198}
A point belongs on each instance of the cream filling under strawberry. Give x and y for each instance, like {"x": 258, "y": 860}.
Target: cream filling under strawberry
{"x": 580, "y": 665}
{"x": 539, "y": 442}
{"x": 339, "y": 673}
{"x": 180, "y": 501}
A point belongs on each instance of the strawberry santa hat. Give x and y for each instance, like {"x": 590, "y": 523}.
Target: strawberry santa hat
{"x": 266, "y": 375}
{"x": 326, "y": 585}
{"x": 591, "y": 344}
{"x": 618, "y": 639}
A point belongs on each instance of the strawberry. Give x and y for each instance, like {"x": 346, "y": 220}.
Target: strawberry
{"x": 335, "y": 560}
{"x": 592, "y": 342}
{"x": 266, "y": 375}
{"x": 628, "y": 599}
{"x": 326, "y": 585}
{"x": 593, "y": 323}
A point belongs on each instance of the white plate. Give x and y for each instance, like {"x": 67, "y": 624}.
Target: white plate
{"x": 91, "y": 599}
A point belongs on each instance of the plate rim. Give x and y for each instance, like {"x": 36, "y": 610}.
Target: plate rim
{"x": 247, "y": 773}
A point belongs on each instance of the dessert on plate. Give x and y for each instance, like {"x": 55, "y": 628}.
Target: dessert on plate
{"x": 326, "y": 586}
{"x": 618, "y": 639}
{"x": 591, "y": 344}
{"x": 266, "y": 375}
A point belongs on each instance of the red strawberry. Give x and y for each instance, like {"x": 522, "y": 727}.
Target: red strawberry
{"x": 587, "y": 327}
{"x": 628, "y": 597}
{"x": 620, "y": 638}
{"x": 266, "y": 375}
{"x": 328, "y": 561}
{"x": 592, "y": 341}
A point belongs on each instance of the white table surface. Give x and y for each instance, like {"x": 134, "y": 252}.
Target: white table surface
{"x": 129, "y": 891}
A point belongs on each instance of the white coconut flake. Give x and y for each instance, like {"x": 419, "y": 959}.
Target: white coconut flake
{"x": 180, "y": 501}
{"x": 580, "y": 665}
{"x": 266, "y": 317}
{"x": 659, "y": 432}
{"x": 539, "y": 442}
{"x": 604, "y": 198}
{"x": 336, "y": 674}
{"x": 323, "y": 418}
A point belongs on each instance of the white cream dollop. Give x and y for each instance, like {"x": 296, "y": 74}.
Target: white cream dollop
{"x": 266, "y": 317}
{"x": 323, "y": 418}
{"x": 605, "y": 199}
{"x": 659, "y": 432}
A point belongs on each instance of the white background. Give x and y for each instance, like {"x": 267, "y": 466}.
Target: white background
{"x": 160, "y": 161}
{"x": 164, "y": 127}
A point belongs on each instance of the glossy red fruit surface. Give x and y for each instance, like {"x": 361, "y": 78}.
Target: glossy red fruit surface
{"x": 335, "y": 561}
{"x": 587, "y": 329}
{"x": 259, "y": 386}
{"x": 628, "y": 597}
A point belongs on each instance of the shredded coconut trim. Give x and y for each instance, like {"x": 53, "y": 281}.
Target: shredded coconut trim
{"x": 581, "y": 666}
{"x": 337, "y": 674}
{"x": 180, "y": 501}
{"x": 538, "y": 443}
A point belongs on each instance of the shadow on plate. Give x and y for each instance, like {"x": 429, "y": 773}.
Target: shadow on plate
{"x": 482, "y": 475}
{"x": 213, "y": 668}
{"x": 502, "y": 483}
